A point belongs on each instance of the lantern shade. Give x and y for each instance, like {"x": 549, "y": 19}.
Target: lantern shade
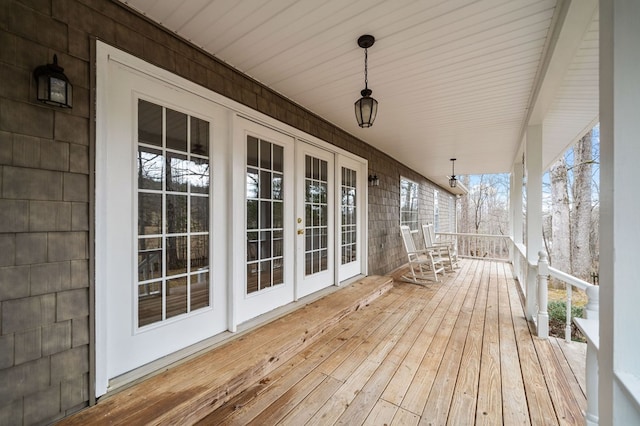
{"x": 53, "y": 87}
{"x": 366, "y": 109}
{"x": 453, "y": 182}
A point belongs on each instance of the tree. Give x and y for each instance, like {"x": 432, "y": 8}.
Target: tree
{"x": 581, "y": 230}
{"x": 560, "y": 248}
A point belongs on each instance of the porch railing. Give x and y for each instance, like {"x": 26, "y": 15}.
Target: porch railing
{"x": 533, "y": 280}
{"x": 482, "y": 246}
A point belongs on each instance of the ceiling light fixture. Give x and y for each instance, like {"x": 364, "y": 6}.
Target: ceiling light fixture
{"x": 366, "y": 107}
{"x": 453, "y": 182}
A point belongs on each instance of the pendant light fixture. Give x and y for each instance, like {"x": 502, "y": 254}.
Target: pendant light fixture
{"x": 366, "y": 107}
{"x": 453, "y": 182}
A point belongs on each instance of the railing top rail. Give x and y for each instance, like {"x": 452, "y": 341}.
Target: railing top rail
{"x": 461, "y": 234}
{"x": 569, "y": 279}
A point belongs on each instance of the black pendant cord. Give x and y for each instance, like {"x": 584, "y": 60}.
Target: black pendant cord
{"x": 366, "y": 78}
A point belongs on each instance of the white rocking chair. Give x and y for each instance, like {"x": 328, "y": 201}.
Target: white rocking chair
{"x": 425, "y": 265}
{"x": 446, "y": 249}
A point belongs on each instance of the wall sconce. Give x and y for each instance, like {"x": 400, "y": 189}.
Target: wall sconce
{"x": 52, "y": 86}
{"x": 373, "y": 180}
{"x": 366, "y": 107}
{"x": 453, "y": 182}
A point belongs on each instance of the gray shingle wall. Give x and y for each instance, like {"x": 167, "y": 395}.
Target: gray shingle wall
{"x": 45, "y": 189}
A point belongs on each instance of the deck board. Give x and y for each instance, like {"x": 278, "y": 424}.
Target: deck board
{"x": 514, "y": 400}
{"x": 455, "y": 352}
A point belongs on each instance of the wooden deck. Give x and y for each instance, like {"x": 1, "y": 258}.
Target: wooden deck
{"x": 457, "y": 352}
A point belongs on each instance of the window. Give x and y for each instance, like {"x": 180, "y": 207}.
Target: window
{"x": 173, "y": 213}
{"x": 409, "y": 203}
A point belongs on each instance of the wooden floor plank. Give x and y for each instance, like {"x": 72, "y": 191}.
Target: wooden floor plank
{"x": 288, "y": 400}
{"x": 541, "y": 410}
{"x": 405, "y": 418}
{"x": 436, "y": 410}
{"x": 465, "y": 395}
{"x": 567, "y": 408}
{"x": 346, "y": 363}
{"x": 397, "y": 387}
{"x": 489, "y": 407}
{"x": 382, "y": 413}
{"x": 309, "y": 407}
{"x": 418, "y": 392}
{"x": 248, "y": 406}
{"x": 514, "y": 401}
{"x": 368, "y": 397}
{"x": 343, "y": 398}
{"x": 574, "y": 354}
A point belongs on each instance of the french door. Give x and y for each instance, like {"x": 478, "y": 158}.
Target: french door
{"x": 315, "y": 231}
{"x": 160, "y": 256}
{"x": 206, "y": 219}
{"x": 263, "y": 213}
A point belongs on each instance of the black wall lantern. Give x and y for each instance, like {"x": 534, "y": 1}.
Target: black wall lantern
{"x": 374, "y": 180}
{"x": 366, "y": 107}
{"x": 53, "y": 87}
{"x": 453, "y": 182}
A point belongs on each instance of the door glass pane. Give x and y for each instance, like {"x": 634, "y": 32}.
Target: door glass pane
{"x": 149, "y": 213}
{"x": 177, "y": 172}
{"x": 316, "y": 214}
{"x": 149, "y": 123}
{"x": 199, "y": 137}
{"x": 150, "y": 260}
{"x": 198, "y": 175}
{"x": 149, "y": 303}
{"x": 176, "y": 296}
{"x": 176, "y": 213}
{"x": 150, "y": 168}
{"x": 173, "y": 213}
{"x": 176, "y": 255}
{"x": 176, "y": 130}
{"x": 199, "y": 289}
{"x": 199, "y": 214}
{"x": 264, "y": 215}
{"x": 348, "y": 207}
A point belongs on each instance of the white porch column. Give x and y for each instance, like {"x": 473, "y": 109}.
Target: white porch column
{"x": 619, "y": 369}
{"x": 515, "y": 204}
{"x": 515, "y": 216}
{"x": 533, "y": 162}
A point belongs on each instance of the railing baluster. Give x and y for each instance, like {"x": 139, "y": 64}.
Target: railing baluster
{"x": 567, "y": 329}
{"x": 543, "y": 279}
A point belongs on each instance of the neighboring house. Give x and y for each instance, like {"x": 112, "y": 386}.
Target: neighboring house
{"x": 120, "y": 236}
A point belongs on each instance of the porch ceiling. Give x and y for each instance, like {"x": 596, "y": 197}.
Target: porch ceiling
{"x": 455, "y": 78}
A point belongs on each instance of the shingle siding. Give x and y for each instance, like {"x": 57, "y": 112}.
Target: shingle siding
{"x": 45, "y": 189}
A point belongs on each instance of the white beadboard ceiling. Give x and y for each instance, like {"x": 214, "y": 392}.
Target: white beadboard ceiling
{"x": 453, "y": 78}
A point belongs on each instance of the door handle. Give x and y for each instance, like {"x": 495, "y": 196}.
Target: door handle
{"x": 300, "y": 231}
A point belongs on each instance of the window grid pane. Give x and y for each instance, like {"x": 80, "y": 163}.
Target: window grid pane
{"x": 409, "y": 203}
{"x": 349, "y": 225}
{"x": 316, "y": 215}
{"x": 173, "y": 214}
{"x": 264, "y": 220}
